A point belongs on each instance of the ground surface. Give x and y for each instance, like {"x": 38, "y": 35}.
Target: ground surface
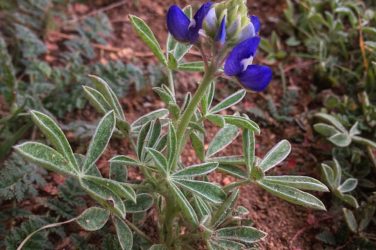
{"x": 288, "y": 226}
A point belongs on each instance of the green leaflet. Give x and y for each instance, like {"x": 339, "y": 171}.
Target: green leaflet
{"x": 348, "y": 185}
{"x": 45, "y": 156}
{"x": 233, "y": 170}
{"x": 55, "y": 135}
{"x": 118, "y": 172}
{"x": 292, "y": 195}
{"x": 331, "y": 119}
{"x": 216, "y": 120}
{"x": 93, "y": 218}
{"x": 159, "y": 160}
{"x": 207, "y": 190}
{"x": 276, "y": 155}
{"x": 222, "y": 139}
{"x": 340, "y": 139}
{"x": 96, "y": 99}
{"x": 325, "y": 129}
{"x": 109, "y": 95}
{"x": 228, "y": 102}
{"x": 224, "y": 209}
{"x": 148, "y": 37}
{"x": 105, "y": 196}
{"x": 119, "y": 188}
{"x": 159, "y": 113}
{"x": 249, "y": 149}
{"x": 142, "y": 140}
{"x": 350, "y": 220}
{"x": 171, "y": 145}
{"x": 124, "y": 234}
{"x": 198, "y": 145}
{"x": 126, "y": 160}
{"x": 184, "y": 204}
{"x": 100, "y": 140}
{"x": 198, "y": 66}
{"x": 208, "y": 99}
{"x": 300, "y": 182}
{"x": 221, "y": 244}
{"x": 242, "y": 122}
{"x": 196, "y": 170}
{"x": 143, "y": 203}
{"x": 241, "y": 233}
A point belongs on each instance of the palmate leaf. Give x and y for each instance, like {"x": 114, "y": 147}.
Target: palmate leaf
{"x": 331, "y": 119}
{"x": 141, "y": 140}
{"x": 216, "y": 120}
{"x": 241, "y": 234}
{"x": 46, "y": 157}
{"x": 196, "y": 170}
{"x": 55, "y": 135}
{"x": 100, "y": 140}
{"x": 233, "y": 170}
{"x": 124, "y": 234}
{"x": 276, "y": 155}
{"x": 292, "y": 195}
{"x": 207, "y": 190}
{"x": 184, "y": 204}
{"x": 93, "y": 218}
{"x": 340, "y": 139}
{"x": 228, "y": 102}
{"x": 325, "y": 129}
{"x": 148, "y": 37}
{"x": 222, "y": 139}
{"x": 300, "y": 182}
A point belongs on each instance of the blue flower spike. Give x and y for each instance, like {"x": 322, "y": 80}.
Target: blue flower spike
{"x": 256, "y": 23}
{"x": 181, "y": 27}
{"x": 239, "y": 64}
{"x": 221, "y": 33}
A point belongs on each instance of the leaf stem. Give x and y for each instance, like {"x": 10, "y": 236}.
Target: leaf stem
{"x": 138, "y": 231}
{"x": 170, "y": 75}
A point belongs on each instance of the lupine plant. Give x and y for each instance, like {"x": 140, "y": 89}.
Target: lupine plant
{"x": 191, "y": 210}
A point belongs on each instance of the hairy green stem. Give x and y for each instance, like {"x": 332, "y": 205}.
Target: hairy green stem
{"x": 190, "y": 110}
{"x": 170, "y": 75}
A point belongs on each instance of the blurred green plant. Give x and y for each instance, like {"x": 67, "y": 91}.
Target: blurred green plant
{"x": 29, "y": 82}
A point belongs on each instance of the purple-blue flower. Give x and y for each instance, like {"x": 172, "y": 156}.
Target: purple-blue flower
{"x": 239, "y": 64}
{"x": 221, "y": 33}
{"x": 181, "y": 27}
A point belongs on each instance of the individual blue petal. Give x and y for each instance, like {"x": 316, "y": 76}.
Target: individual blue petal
{"x": 198, "y": 20}
{"x": 221, "y": 34}
{"x": 255, "y": 77}
{"x": 256, "y": 23}
{"x": 211, "y": 19}
{"x": 247, "y": 32}
{"x": 243, "y": 50}
{"x": 178, "y": 24}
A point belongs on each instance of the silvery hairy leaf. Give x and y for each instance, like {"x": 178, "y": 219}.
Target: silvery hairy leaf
{"x": 143, "y": 202}
{"x": 46, "y": 157}
{"x": 228, "y": 101}
{"x": 100, "y": 140}
{"x": 196, "y": 170}
{"x": 300, "y": 182}
{"x": 124, "y": 234}
{"x": 276, "y": 155}
{"x": 222, "y": 139}
{"x": 184, "y": 205}
{"x": 148, "y": 37}
{"x": 93, "y": 218}
{"x": 55, "y": 135}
